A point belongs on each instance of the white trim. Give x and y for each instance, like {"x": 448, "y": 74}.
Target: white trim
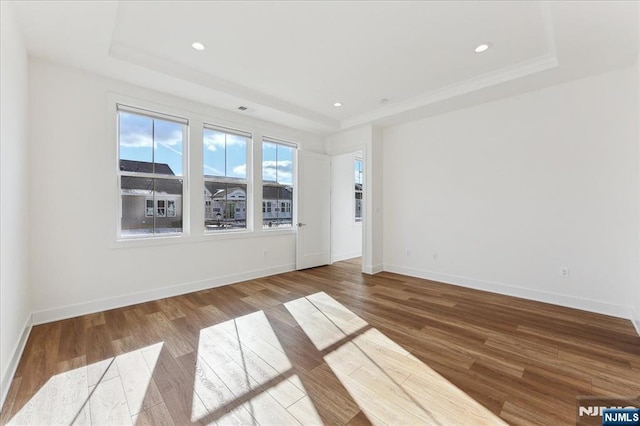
{"x": 16, "y": 354}
{"x": 276, "y": 141}
{"x": 596, "y": 306}
{"x": 502, "y": 75}
{"x": 228, "y": 131}
{"x": 372, "y": 270}
{"x": 149, "y": 113}
{"x": 345, "y": 256}
{"x": 71, "y": 311}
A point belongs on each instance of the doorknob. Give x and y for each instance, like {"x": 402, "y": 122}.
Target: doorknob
{"x": 302, "y": 224}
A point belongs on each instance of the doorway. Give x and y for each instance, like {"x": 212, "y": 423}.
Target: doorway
{"x": 347, "y": 189}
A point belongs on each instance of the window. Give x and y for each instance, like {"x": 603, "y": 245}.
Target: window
{"x": 171, "y": 208}
{"x": 277, "y": 183}
{"x": 225, "y": 178}
{"x": 162, "y": 209}
{"x": 358, "y": 190}
{"x": 149, "y": 208}
{"x": 150, "y": 153}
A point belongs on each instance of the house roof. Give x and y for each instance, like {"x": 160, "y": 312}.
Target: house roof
{"x": 270, "y": 192}
{"x": 145, "y": 167}
{"x": 146, "y": 186}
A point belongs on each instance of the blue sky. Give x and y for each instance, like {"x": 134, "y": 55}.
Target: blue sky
{"x": 151, "y": 139}
{"x": 138, "y": 134}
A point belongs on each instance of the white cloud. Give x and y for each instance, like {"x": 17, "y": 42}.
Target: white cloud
{"x": 135, "y": 140}
{"x": 170, "y": 139}
{"x": 282, "y": 170}
{"x": 240, "y": 170}
{"x": 214, "y": 140}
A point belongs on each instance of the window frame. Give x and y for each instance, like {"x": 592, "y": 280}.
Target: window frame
{"x": 153, "y": 113}
{"x": 247, "y": 181}
{"x": 294, "y": 184}
{"x": 357, "y": 219}
{"x": 192, "y": 202}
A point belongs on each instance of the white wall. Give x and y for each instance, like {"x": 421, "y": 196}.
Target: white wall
{"x": 76, "y": 267}
{"x": 14, "y": 300}
{"x": 346, "y": 233}
{"x": 507, "y": 193}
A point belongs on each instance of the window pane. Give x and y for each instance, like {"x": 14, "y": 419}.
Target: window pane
{"x": 269, "y": 152}
{"x": 169, "y": 190}
{"x": 236, "y": 156}
{"x": 358, "y": 171}
{"x": 149, "y": 145}
{"x": 277, "y": 201}
{"x": 285, "y": 165}
{"x": 135, "y": 136}
{"x": 277, "y": 189}
{"x": 214, "y": 153}
{"x": 225, "y": 206}
{"x": 167, "y": 138}
{"x": 139, "y": 195}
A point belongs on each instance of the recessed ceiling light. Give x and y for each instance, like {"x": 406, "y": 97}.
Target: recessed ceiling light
{"x": 483, "y": 47}
{"x": 198, "y": 46}
{"x": 337, "y": 104}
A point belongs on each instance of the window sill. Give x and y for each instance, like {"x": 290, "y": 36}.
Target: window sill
{"x": 259, "y": 233}
{"x": 168, "y": 240}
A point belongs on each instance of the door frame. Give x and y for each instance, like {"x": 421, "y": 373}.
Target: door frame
{"x": 352, "y": 149}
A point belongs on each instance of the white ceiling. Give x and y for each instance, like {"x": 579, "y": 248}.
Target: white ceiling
{"x": 290, "y": 61}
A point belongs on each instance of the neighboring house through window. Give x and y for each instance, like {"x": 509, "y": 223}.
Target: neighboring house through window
{"x": 277, "y": 183}
{"x": 358, "y": 189}
{"x": 225, "y": 178}
{"x": 150, "y": 153}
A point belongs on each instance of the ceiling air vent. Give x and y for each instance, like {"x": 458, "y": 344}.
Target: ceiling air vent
{"x": 243, "y": 108}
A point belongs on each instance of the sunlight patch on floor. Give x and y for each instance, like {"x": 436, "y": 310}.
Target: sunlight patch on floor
{"x": 388, "y": 383}
{"x": 244, "y": 376}
{"x": 105, "y": 392}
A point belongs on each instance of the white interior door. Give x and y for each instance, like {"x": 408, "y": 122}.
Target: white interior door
{"x": 313, "y": 247}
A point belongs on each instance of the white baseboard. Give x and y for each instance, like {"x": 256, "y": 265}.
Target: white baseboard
{"x": 345, "y": 256}
{"x": 6, "y": 380}
{"x": 619, "y": 311}
{"x": 372, "y": 270}
{"x": 71, "y": 311}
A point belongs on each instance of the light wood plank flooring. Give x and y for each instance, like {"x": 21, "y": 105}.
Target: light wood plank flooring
{"x": 326, "y": 345}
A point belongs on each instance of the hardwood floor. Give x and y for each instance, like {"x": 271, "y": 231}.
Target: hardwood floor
{"x": 324, "y": 345}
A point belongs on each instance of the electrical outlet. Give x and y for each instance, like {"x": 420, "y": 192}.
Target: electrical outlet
{"x": 564, "y": 272}
{"x": 264, "y": 252}
{"x": 435, "y": 256}
{"x": 408, "y": 252}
